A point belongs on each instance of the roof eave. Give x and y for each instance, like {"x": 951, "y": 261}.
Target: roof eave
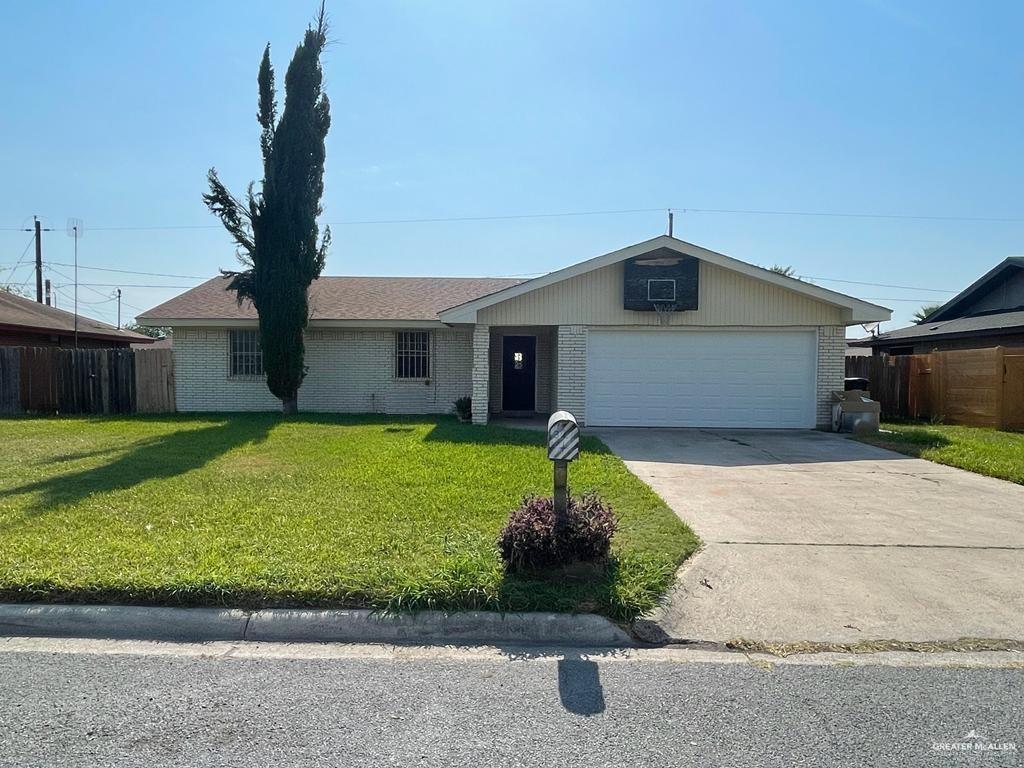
{"x": 125, "y": 336}
{"x": 252, "y": 322}
{"x": 939, "y": 336}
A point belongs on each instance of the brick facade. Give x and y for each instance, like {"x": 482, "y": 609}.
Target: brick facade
{"x": 571, "y": 378}
{"x": 831, "y": 370}
{"x": 481, "y": 372}
{"x": 350, "y": 371}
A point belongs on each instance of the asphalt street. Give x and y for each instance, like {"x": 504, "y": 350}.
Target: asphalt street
{"x": 104, "y": 703}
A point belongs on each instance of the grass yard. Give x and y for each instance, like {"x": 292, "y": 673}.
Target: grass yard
{"x": 261, "y": 510}
{"x": 985, "y": 451}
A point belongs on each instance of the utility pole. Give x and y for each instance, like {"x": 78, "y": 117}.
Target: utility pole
{"x": 37, "y": 229}
{"x": 39, "y": 260}
{"x": 48, "y": 292}
{"x": 119, "y": 309}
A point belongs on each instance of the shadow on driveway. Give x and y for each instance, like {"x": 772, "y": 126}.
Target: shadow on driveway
{"x": 736, "y": 447}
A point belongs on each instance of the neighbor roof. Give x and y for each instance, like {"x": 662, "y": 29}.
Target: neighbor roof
{"x": 948, "y": 310}
{"x": 21, "y": 314}
{"x": 348, "y": 299}
{"x": 995, "y": 323}
{"x": 945, "y": 320}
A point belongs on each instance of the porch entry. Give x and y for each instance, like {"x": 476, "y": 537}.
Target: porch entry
{"x": 519, "y": 373}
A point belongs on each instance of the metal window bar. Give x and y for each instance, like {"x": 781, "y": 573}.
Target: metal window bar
{"x": 246, "y": 355}
{"x": 412, "y": 355}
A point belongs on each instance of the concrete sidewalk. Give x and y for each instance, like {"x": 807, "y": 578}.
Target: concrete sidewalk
{"x": 815, "y": 537}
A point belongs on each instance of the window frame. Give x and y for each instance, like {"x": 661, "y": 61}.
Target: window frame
{"x": 413, "y": 359}
{"x": 247, "y": 350}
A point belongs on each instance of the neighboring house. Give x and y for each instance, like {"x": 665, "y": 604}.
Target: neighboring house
{"x": 157, "y": 342}
{"x": 744, "y": 346}
{"x": 852, "y": 350}
{"x": 989, "y": 313}
{"x": 27, "y": 323}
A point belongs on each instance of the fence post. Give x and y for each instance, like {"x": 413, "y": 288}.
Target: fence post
{"x": 1000, "y": 387}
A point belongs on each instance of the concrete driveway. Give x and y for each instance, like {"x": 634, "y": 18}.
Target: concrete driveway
{"x": 815, "y": 537}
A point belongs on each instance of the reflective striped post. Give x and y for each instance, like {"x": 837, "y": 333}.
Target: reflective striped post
{"x": 563, "y": 447}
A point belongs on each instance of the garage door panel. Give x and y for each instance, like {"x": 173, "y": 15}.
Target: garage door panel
{"x": 701, "y": 378}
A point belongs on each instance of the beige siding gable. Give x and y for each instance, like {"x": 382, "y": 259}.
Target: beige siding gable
{"x": 727, "y": 298}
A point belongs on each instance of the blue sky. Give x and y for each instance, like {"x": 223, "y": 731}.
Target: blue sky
{"x": 114, "y": 111}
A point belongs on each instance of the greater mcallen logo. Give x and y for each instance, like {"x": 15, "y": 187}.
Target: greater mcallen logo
{"x": 974, "y": 742}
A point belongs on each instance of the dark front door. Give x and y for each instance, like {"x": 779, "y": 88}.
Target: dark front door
{"x": 519, "y": 373}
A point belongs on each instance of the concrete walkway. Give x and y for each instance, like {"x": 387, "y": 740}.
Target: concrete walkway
{"x": 815, "y": 537}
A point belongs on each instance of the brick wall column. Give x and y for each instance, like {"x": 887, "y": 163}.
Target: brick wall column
{"x": 831, "y": 370}
{"x": 571, "y": 377}
{"x": 481, "y": 372}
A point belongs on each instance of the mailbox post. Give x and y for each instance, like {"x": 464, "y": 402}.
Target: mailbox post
{"x": 563, "y": 447}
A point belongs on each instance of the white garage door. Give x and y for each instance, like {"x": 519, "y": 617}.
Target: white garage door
{"x": 700, "y": 378}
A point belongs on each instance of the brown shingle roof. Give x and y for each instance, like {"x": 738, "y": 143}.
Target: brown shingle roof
{"x": 21, "y": 313}
{"x": 339, "y": 298}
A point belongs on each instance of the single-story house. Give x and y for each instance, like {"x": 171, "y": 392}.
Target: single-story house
{"x": 27, "y": 323}
{"x": 988, "y": 313}
{"x": 661, "y": 333}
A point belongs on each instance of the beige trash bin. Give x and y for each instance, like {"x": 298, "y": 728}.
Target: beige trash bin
{"x": 854, "y": 411}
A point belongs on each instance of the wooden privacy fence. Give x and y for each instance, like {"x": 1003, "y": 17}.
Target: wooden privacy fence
{"x": 975, "y": 387}
{"x": 57, "y": 380}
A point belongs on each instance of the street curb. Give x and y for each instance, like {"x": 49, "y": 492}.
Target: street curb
{"x": 310, "y": 626}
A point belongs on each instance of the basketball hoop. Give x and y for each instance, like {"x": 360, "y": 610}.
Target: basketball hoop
{"x": 664, "y": 310}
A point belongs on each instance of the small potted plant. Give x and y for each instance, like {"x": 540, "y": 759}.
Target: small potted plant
{"x": 464, "y": 409}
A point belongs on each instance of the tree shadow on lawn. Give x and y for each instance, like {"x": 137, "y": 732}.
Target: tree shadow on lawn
{"x": 154, "y": 458}
{"x": 909, "y": 440}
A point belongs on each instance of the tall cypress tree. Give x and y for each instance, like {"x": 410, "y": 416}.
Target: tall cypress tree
{"x": 275, "y": 229}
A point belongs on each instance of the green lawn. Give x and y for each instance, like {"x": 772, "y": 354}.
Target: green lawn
{"x": 258, "y": 510}
{"x": 985, "y": 451}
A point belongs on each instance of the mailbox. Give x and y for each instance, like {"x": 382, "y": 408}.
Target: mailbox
{"x": 563, "y": 447}
{"x": 563, "y": 437}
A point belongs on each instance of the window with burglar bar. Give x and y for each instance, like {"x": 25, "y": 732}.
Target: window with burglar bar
{"x": 412, "y": 355}
{"x": 246, "y": 357}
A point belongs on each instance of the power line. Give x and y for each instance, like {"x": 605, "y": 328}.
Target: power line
{"x": 133, "y": 272}
{"x": 61, "y": 290}
{"x": 890, "y": 298}
{"x": 136, "y": 285}
{"x": 72, "y": 280}
{"x": 21, "y": 258}
{"x": 606, "y": 212}
{"x": 846, "y": 215}
{"x": 354, "y": 222}
{"x": 876, "y": 285}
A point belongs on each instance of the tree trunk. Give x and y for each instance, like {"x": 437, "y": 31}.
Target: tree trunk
{"x": 290, "y": 406}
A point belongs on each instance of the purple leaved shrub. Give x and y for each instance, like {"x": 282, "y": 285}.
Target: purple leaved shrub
{"x": 531, "y": 540}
